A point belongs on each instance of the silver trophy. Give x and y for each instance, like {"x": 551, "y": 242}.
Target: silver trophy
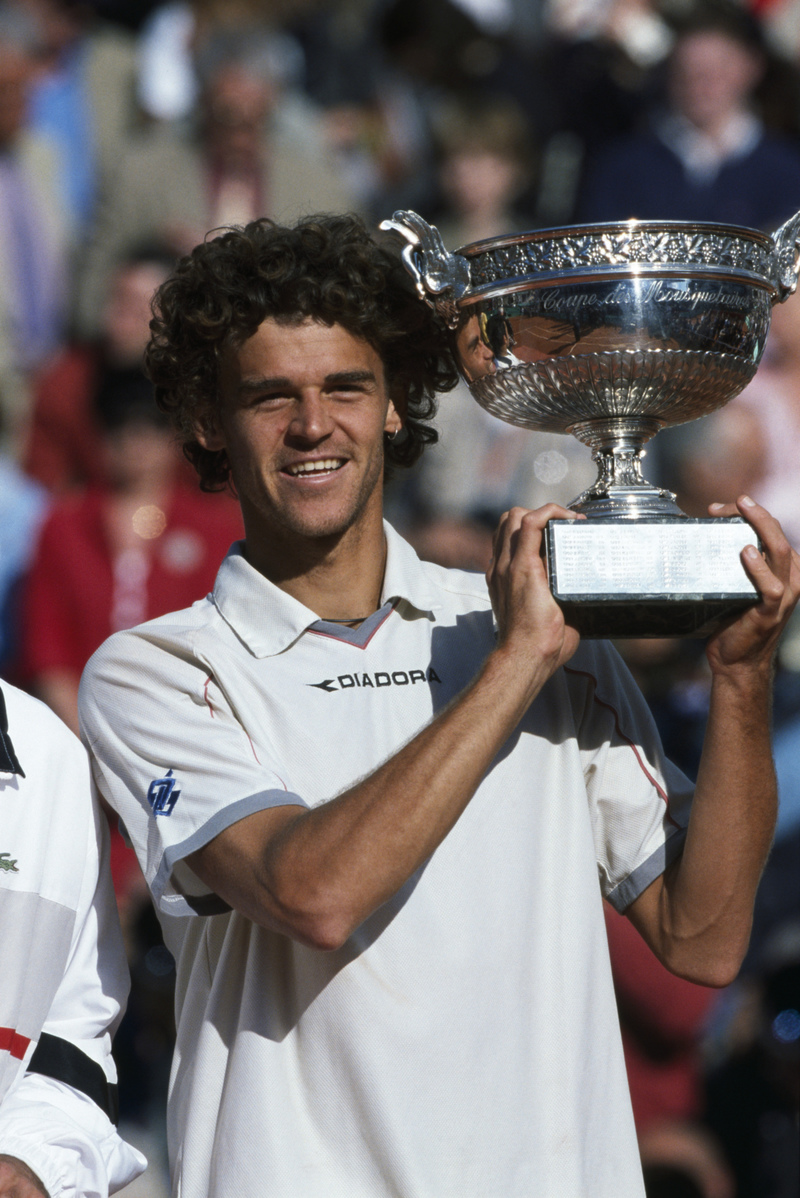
{"x": 612, "y": 332}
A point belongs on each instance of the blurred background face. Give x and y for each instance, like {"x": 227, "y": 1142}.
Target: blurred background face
{"x": 127, "y": 314}
{"x": 712, "y": 77}
{"x": 139, "y": 457}
{"x": 59, "y": 22}
{"x": 237, "y": 107}
{"x": 479, "y": 180}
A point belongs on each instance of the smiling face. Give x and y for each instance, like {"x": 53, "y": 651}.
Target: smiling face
{"x": 303, "y": 415}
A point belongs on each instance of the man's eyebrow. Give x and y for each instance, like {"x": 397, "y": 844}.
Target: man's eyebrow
{"x": 340, "y": 378}
{"x": 344, "y": 377}
{"x": 252, "y": 385}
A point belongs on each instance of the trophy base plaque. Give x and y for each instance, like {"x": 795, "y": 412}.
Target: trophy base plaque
{"x": 649, "y": 577}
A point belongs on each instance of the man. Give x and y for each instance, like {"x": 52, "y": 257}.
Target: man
{"x": 64, "y": 980}
{"x": 250, "y": 150}
{"x": 705, "y": 155}
{"x": 373, "y": 827}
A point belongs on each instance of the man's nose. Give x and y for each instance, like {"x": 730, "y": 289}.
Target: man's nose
{"x": 311, "y": 418}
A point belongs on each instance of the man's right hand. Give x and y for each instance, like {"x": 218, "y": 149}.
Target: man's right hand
{"x": 18, "y": 1181}
{"x": 528, "y": 618}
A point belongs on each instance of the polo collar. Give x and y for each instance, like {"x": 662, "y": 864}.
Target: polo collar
{"x": 268, "y": 620}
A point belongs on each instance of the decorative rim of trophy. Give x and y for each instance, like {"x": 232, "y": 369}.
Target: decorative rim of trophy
{"x": 662, "y": 246}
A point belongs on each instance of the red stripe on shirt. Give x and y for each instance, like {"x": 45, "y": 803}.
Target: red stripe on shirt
{"x": 631, "y": 744}
{"x": 205, "y": 695}
{"x": 211, "y": 709}
{"x": 12, "y": 1042}
{"x": 252, "y": 746}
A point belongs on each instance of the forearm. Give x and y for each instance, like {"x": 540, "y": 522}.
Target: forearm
{"x": 708, "y": 895}
{"x": 324, "y": 870}
{"x": 697, "y": 916}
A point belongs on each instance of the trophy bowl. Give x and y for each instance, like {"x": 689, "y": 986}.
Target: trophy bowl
{"x": 611, "y": 332}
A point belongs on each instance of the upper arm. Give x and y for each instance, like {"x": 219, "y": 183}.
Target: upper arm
{"x": 172, "y": 758}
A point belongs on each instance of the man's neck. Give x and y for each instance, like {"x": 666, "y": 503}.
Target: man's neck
{"x": 338, "y": 578}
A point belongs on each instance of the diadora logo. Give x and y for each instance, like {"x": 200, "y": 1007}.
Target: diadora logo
{"x": 163, "y": 794}
{"x": 345, "y": 682}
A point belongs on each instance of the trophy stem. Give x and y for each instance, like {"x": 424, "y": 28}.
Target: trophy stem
{"x": 620, "y": 491}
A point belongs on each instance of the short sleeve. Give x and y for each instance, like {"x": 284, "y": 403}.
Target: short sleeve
{"x": 639, "y": 802}
{"x": 171, "y": 758}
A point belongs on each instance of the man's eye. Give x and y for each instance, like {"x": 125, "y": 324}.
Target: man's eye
{"x": 347, "y": 391}
{"x": 270, "y": 398}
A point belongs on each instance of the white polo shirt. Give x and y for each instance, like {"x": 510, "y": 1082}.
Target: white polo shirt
{"x": 464, "y": 1042}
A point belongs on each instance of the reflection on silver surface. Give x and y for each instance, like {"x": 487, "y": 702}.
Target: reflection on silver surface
{"x": 608, "y": 332}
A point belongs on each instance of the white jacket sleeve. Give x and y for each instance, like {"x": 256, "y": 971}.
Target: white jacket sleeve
{"x": 66, "y": 1139}
{"x": 64, "y": 965}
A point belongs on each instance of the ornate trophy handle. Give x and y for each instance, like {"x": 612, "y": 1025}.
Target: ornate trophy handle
{"x": 441, "y": 278}
{"x": 785, "y": 262}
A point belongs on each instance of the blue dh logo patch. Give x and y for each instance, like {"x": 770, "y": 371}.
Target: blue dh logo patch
{"x": 163, "y": 794}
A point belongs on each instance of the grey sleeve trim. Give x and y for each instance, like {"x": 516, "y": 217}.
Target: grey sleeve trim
{"x": 631, "y": 887}
{"x": 178, "y": 904}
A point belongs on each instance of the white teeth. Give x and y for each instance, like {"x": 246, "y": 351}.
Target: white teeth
{"x": 316, "y": 467}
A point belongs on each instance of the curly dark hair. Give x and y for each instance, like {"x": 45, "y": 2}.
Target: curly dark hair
{"x": 328, "y": 268}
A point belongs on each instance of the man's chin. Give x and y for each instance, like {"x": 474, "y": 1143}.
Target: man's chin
{"x": 328, "y": 526}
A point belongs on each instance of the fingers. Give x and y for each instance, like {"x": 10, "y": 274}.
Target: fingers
{"x": 775, "y": 572}
{"x": 769, "y": 586}
{"x": 779, "y": 561}
{"x": 757, "y": 517}
{"x": 527, "y": 614}
{"x": 520, "y": 530}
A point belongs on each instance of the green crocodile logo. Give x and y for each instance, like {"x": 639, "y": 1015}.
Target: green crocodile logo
{"x": 7, "y": 864}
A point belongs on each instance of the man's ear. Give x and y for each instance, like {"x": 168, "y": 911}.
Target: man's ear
{"x": 208, "y": 434}
{"x": 396, "y": 411}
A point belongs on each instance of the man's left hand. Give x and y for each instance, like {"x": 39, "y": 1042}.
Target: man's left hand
{"x": 749, "y": 642}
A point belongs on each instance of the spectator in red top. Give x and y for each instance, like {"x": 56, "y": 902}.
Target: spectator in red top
{"x": 662, "y": 1019}
{"x": 125, "y": 551}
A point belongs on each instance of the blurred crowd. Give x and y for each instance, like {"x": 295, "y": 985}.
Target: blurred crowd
{"x": 130, "y": 128}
